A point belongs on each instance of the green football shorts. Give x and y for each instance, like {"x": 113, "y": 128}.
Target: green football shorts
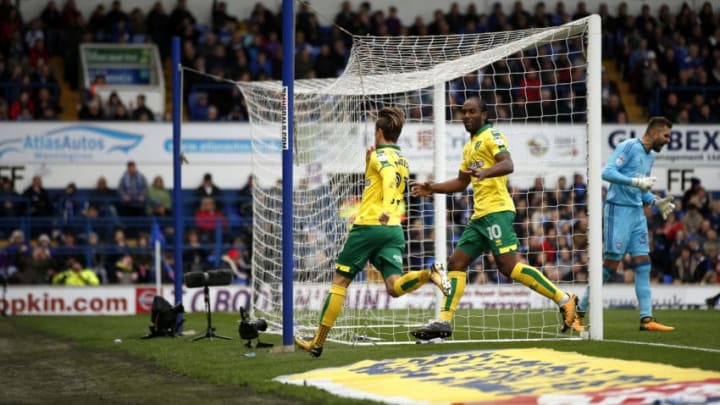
{"x": 493, "y": 232}
{"x": 383, "y": 246}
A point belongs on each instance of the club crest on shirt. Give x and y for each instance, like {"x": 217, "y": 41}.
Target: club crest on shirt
{"x": 498, "y": 139}
{"x": 620, "y": 160}
{"x": 478, "y": 164}
{"x": 382, "y": 157}
{"x": 477, "y": 144}
{"x": 618, "y": 244}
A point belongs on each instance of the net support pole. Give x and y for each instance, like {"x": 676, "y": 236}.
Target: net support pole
{"x": 177, "y": 176}
{"x": 439, "y": 162}
{"x": 594, "y": 181}
{"x": 288, "y": 72}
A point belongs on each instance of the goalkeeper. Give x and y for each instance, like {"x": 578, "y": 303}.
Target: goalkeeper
{"x": 376, "y": 235}
{"x": 624, "y": 225}
{"x": 486, "y": 163}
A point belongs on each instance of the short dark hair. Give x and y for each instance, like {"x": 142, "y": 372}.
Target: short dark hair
{"x": 658, "y": 122}
{"x": 480, "y": 102}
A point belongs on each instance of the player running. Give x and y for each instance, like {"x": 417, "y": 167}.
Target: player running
{"x": 486, "y": 163}
{"x": 376, "y": 235}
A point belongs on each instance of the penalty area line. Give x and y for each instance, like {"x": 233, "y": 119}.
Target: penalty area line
{"x": 634, "y": 342}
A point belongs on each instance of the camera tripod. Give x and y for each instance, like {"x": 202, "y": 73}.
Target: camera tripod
{"x": 210, "y": 332}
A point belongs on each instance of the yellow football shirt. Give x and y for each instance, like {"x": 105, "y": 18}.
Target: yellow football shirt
{"x": 489, "y": 195}
{"x": 386, "y": 177}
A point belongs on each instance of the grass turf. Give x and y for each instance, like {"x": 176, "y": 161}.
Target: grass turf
{"x": 694, "y": 344}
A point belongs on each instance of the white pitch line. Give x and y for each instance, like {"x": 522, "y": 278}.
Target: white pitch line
{"x": 633, "y": 342}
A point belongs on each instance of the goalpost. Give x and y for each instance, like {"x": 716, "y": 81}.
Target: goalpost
{"x": 552, "y": 132}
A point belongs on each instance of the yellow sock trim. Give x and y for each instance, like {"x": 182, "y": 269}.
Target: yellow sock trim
{"x": 458, "y": 279}
{"x": 533, "y": 278}
{"x": 411, "y": 281}
{"x": 333, "y": 305}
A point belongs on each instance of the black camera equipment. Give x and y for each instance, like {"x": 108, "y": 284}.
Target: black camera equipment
{"x": 249, "y": 330}
{"x": 206, "y": 279}
{"x": 164, "y": 318}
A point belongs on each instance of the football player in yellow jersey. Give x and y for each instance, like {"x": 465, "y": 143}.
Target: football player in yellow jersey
{"x": 376, "y": 235}
{"x": 486, "y": 163}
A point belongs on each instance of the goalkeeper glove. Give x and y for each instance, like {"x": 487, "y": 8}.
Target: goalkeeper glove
{"x": 665, "y": 205}
{"x": 644, "y": 183}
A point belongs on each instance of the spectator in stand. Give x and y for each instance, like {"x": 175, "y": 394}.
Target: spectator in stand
{"x": 122, "y": 113}
{"x": 39, "y": 204}
{"x": 159, "y": 199}
{"x": 141, "y": 111}
{"x": 51, "y": 21}
{"x": 37, "y": 268}
{"x": 238, "y": 260}
{"x": 92, "y": 110}
{"x": 137, "y": 24}
{"x": 199, "y": 107}
{"x": 102, "y": 199}
{"x": 245, "y": 197}
{"x": 68, "y": 244}
{"x": 24, "y": 102}
{"x": 685, "y": 266}
{"x": 207, "y": 219}
{"x": 611, "y": 110}
{"x": 76, "y": 274}
{"x": 180, "y": 16}
{"x": 68, "y": 207}
{"x": 195, "y": 255}
{"x": 699, "y": 195}
{"x": 579, "y": 189}
{"x": 98, "y": 257}
{"x": 46, "y": 107}
{"x": 111, "y": 105}
{"x": 709, "y": 261}
{"x": 158, "y": 24}
{"x": 38, "y": 54}
{"x": 326, "y": 63}
{"x": 692, "y": 219}
{"x": 236, "y": 114}
{"x": 212, "y": 114}
{"x": 220, "y": 16}
{"x": 15, "y": 250}
{"x": 133, "y": 189}
{"x": 143, "y": 258}
{"x": 208, "y": 188}
{"x": 11, "y": 204}
{"x": 116, "y": 252}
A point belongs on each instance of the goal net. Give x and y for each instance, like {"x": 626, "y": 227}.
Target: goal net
{"x": 534, "y": 83}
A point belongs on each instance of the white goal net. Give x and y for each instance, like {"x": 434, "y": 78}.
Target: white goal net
{"x": 535, "y": 85}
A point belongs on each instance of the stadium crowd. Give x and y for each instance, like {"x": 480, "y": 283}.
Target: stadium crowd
{"x": 670, "y": 58}
{"x": 671, "y": 61}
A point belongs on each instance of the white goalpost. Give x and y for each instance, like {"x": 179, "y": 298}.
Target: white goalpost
{"x": 541, "y": 87}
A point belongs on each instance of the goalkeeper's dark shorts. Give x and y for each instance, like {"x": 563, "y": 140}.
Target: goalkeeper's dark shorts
{"x": 383, "y": 246}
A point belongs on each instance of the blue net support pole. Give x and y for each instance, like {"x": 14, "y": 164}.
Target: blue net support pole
{"x": 177, "y": 177}
{"x": 288, "y": 70}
